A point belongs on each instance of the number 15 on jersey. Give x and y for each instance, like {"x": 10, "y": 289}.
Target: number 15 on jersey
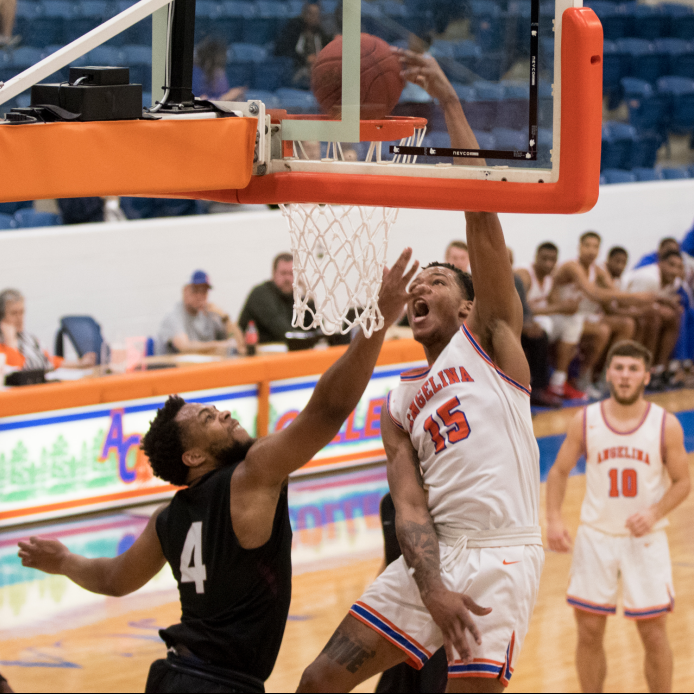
{"x": 455, "y": 425}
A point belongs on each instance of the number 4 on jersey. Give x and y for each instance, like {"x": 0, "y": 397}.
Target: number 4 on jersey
{"x": 192, "y": 548}
{"x": 454, "y": 420}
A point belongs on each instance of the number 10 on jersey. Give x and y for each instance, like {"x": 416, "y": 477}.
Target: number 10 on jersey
{"x": 455, "y": 425}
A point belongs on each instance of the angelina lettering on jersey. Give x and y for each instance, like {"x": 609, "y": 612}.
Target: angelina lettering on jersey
{"x": 624, "y": 453}
{"x": 446, "y": 377}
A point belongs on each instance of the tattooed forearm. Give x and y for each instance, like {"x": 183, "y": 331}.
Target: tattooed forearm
{"x": 420, "y": 548}
{"x": 347, "y": 651}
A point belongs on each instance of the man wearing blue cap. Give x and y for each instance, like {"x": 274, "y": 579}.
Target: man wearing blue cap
{"x": 195, "y": 325}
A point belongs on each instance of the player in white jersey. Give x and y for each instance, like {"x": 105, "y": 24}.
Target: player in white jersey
{"x": 463, "y": 470}
{"x": 636, "y": 472}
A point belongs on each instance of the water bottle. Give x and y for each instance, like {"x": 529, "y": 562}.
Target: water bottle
{"x": 251, "y": 338}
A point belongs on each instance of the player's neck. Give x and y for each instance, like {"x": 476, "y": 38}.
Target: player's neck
{"x": 434, "y": 347}
{"x": 618, "y": 412}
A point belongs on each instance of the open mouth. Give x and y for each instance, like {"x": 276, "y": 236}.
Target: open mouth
{"x": 420, "y": 309}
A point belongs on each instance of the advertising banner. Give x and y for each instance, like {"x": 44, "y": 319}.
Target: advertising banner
{"x": 84, "y": 459}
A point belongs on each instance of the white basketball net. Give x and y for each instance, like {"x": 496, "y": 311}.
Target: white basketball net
{"x": 339, "y": 256}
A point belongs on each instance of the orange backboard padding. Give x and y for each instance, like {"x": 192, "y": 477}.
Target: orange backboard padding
{"x": 251, "y": 370}
{"x": 45, "y": 161}
{"x": 575, "y": 191}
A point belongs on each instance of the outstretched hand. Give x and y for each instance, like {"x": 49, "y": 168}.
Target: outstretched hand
{"x": 427, "y": 73}
{"x": 452, "y": 613}
{"x": 393, "y": 295}
{"x": 43, "y": 554}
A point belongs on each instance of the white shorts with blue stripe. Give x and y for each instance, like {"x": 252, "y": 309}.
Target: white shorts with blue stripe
{"x": 643, "y": 563}
{"x": 504, "y": 578}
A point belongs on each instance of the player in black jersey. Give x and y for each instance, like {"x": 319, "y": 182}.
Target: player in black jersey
{"x": 227, "y": 535}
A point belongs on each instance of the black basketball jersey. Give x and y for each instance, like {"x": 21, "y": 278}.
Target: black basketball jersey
{"x": 234, "y": 601}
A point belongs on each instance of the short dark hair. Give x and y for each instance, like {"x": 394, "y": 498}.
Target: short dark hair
{"x": 590, "y": 234}
{"x": 163, "y": 443}
{"x": 629, "y": 348}
{"x": 283, "y": 256}
{"x": 667, "y": 255}
{"x": 665, "y": 241}
{"x": 616, "y": 250}
{"x": 464, "y": 279}
{"x": 547, "y": 246}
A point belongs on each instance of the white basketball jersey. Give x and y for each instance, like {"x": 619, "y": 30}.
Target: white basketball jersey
{"x": 574, "y": 291}
{"x": 624, "y": 470}
{"x": 538, "y": 292}
{"x": 471, "y": 427}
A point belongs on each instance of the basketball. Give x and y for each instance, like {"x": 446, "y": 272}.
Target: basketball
{"x": 381, "y": 83}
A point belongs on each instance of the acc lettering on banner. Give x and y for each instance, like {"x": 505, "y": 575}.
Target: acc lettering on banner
{"x": 446, "y": 377}
{"x": 624, "y": 453}
{"x": 122, "y": 444}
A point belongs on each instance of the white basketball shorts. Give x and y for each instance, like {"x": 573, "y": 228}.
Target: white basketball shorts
{"x": 504, "y": 578}
{"x": 642, "y": 562}
{"x": 562, "y": 327}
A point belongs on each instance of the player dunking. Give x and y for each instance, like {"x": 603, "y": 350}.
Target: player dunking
{"x": 463, "y": 469}
{"x": 227, "y": 535}
{"x": 632, "y": 446}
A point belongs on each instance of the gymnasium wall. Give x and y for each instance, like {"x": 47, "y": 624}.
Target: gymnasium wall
{"x": 128, "y": 275}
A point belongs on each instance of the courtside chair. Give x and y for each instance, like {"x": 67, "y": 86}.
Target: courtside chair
{"x": 28, "y": 218}
{"x": 83, "y": 332}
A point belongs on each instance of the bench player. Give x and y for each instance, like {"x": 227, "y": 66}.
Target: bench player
{"x": 227, "y": 535}
{"x": 636, "y": 472}
{"x": 463, "y": 470}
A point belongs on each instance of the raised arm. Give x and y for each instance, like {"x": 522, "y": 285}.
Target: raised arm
{"x": 106, "y": 576}
{"x": 558, "y": 537}
{"x": 677, "y": 466}
{"x": 420, "y": 546}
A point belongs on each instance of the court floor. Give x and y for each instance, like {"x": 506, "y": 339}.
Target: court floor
{"x": 57, "y": 638}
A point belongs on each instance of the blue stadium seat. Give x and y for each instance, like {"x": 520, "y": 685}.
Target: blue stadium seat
{"x": 545, "y": 105}
{"x": 139, "y": 33}
{"x": 647, "y": 109}
{"x": 644, "y": 61}
{"x": 6, "y": 222}
{"x": 680, "y": 92}
{"x": 644, "y": 150}
{"x": 675, "y": 173}
{"x": 617, "y": 143}
{"x": 647, "y": 174}
{"x": 262, "y": 25}
{"x": 207, "y": 16}
{"x": 7, "y": 70}
{"x": 273, "y": 73}
{"x": 90, "y": 14}
{"x": 614, "y": 68}
{"x": 481, "y": 110}
{"x": 240, "y": 52}
{"x": 681, "y": 20}
{"x": 680, "y": 56}
{"x": 602, "y": 180}
{"x": 28, "y": 218}
{"x": 106, "y": 56}
{"x": 297, "y": 101}
{"x": 614, "y": 18}
{"x": 242, "y": 74}
{"x": 25, "y": 20}
{"x": 25, "y": 56}
{"x": 10, "y": 207}
{"x": 487, "y": 24}
{"x": 59, "y": 14}
{"x": 618, "y": 176}
{"x": 546, "y": 52}
{"x": 691, "y": 171}
{"x": 647, "y": 21}
{"x": 437, "y": 139}
{"x": 139, "y": 60}
{"x": 267, "y": 98}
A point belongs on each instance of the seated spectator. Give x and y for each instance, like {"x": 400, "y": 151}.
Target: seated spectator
{"x": 8, "y": 9}
{"x": 81, "y": 210}
{"x": 661, "y": 318}
{"x": 270, "y": 305}
{"x": 196, "y": 325}
{"x": 457, "y": 255}
{"x": 302, "y": 39}
{"x": 22, "y": 350}
{"x": 665, "y": 245}
{"x": 209, "y": 73}
{"x": 536, "y": 347}
{"x": 582, "y": 280}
